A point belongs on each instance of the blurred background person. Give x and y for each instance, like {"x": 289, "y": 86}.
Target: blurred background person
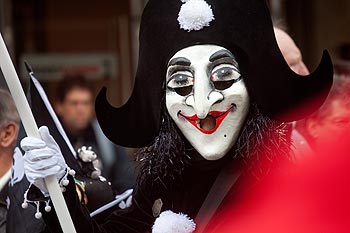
{"x": 9, "y": 125}
{"x": 75, "y": 108}
{"x": 294, "y": 59}
{"x": 290, "y": 52}
{"x": 332, "y": 120}
{"x": 12, "y": 181}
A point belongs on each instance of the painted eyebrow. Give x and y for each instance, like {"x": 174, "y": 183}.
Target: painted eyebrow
{"x": 221, "y": 54}
{"x": 182, "y": 61}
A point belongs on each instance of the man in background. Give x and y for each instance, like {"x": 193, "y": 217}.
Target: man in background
{"x": 331, "y": 120}
{"x": 294, "y": 59}
{"x": 290, "y": 52}
{"x": 75, "y": 108}
{"x": 9, "y": 125}
{"x": 12, "y": 181}
{"x": 325, "y": 126}
{"x": 9, "y": 121}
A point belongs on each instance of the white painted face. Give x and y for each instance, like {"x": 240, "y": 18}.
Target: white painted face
{"x": 207, "y": 98}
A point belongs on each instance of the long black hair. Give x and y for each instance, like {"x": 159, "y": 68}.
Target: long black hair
{"x": 262, "y": 142}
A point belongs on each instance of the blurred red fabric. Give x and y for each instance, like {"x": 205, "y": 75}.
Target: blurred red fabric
{"x": 310, "y": 196}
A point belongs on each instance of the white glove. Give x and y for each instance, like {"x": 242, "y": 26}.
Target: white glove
{"x": 42, "y": 158}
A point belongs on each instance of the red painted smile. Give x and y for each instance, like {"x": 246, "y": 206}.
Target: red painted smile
{"x": 210, "y": 123}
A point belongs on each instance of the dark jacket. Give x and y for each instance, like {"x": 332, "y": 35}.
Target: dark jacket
{"x": 186, "y": 197}
{"x": 3, "y": 209}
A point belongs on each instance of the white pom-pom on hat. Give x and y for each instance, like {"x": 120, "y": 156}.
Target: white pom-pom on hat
{"x": 194, "y": 15}
{"x": 170, "y": 222}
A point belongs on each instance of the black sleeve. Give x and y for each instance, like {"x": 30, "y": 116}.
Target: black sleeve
{"x": 137, "y": 218}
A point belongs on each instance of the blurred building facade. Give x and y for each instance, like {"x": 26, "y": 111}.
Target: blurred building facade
{"x": 100, "y": 38}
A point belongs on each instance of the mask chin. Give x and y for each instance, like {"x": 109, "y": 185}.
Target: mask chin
{"x": 212, "y": 156}
{"x": 212, "y": 150}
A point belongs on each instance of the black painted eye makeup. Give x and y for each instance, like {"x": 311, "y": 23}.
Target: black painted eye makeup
{"x": 181, "y": 82}
{"x": 224, "y": 75}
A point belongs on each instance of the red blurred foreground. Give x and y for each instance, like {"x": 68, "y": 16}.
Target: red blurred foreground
{"x": 312, "y": 196}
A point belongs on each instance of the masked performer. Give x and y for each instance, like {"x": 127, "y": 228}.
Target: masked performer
{"x": 211, "y": 94}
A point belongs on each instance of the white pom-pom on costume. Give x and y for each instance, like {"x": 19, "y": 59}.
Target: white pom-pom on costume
{"x": 170, "y": 222}
{"x": 194, "y": 15}
{"x": 38, "y": 215}
{"x": 71, "y": 172}
{"x": 24, "y": 205}
{"x": 48, "y": 208}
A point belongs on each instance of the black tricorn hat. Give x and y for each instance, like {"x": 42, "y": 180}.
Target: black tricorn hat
{"x": 242, "y": 26}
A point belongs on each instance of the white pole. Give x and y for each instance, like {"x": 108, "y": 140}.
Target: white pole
{"x": 31, "y": 129}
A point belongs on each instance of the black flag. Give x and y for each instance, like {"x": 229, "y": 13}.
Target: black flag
{"x": 98, "y": 191}
{"x": 45, "y": 115}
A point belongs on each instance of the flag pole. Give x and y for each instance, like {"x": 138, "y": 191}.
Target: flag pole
{"x": 31, "y": 129}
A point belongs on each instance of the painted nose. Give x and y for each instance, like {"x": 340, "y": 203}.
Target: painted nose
{"x": 204, "y": 96}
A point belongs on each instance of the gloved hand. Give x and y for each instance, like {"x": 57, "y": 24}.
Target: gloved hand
{"x": 42, "y": 158}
